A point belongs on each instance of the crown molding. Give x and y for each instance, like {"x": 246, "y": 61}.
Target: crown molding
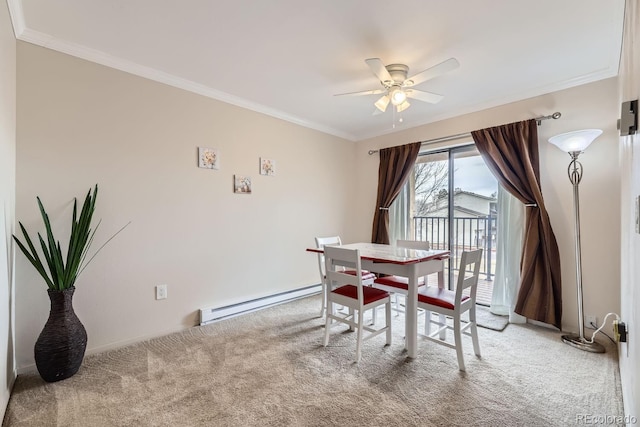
{"x": 102, "y": 58}
{"x": 17, "y": 17}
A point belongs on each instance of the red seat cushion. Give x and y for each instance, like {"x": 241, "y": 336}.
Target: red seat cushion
{"x": 370, "y": 294}
{"x": 437, "y": 296}
{"x": 397, "y": 282}
{"x": 366, "y": 275}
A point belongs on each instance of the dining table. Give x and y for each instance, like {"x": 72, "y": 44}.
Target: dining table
{"x": 410, "y": 263}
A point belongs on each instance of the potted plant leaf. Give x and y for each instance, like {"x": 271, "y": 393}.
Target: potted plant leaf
{"x": 60, "y": 348}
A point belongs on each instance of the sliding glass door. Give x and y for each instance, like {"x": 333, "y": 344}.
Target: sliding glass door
{"x": 451, "y": 203}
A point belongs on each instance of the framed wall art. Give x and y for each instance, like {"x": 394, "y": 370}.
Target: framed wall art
{"x": 267, "y": 167}
{"x": 208, "y": 158}
{"x": 241, "y": 184}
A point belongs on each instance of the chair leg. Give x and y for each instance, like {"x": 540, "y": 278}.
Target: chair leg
{"x": 359, "y": 338}
{"x": 395, "y": 295}
{"x": 373, "y": 316}
{"x": 387, "y": 318}
{"x": 427, "y": 322}
{"x": 474, "y": 331}
{"x": 457, "y": 334}
{"x": 351, "y": 314}
{"x": 324, "y": 299}
{"x": 327, "y": 324}
{"x": 443, "y": 322}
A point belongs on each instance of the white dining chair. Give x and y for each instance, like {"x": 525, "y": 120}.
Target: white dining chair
{"x": 452, "y": 304}
{"x": 349, "y": 290}
{"x": 398, "y": 285}
{"x": 321, "y": 242}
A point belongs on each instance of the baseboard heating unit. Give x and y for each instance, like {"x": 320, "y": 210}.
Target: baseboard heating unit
{"x": 212, "y": 314}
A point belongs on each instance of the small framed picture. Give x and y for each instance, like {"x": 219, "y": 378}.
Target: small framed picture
{"x": 267, "y": 167}
{"x": 208, "y": 158}
{"x": 241, "y": 184}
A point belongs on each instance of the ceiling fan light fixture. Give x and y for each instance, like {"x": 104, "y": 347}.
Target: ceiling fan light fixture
{"x": 398, "y": 96}
{"x": 382, "y": 103}
{"x": 403, "y": 106}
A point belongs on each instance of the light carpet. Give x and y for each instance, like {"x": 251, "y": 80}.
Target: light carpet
{"x": 269, "y": 368}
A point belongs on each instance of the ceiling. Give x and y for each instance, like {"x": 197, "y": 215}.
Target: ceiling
{"x": 288, "y": 58}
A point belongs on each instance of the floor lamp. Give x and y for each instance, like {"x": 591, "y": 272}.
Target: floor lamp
{"x": 575, "y": 143}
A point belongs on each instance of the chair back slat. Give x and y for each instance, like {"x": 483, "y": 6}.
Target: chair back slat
{"x": 321, "y": 242}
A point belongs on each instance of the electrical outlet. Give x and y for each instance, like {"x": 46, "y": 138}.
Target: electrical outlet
{"x": 619, "y": 331}
{"x": 591, "y": 322}
{"x": 161, "y": 291}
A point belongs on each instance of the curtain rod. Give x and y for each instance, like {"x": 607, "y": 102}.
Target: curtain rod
{"x": 554, "y": 116}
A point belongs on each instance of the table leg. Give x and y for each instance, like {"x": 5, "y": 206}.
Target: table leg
{"x": 411, "y": 314}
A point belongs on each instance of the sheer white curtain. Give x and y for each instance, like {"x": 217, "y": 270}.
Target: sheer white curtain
{"x": 508, "y": 253}
{"x": 399, "y": 216}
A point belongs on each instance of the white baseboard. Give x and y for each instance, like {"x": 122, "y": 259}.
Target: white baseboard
{"x": 212, "y": 314}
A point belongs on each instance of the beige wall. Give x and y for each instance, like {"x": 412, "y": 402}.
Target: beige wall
{"x": 588, "y": 106}
{"x": 630, "y": 244}
{"x": 80, "y": 123}
{"x": 7, "y": 199}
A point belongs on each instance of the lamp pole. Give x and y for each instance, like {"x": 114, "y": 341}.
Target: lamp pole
{"x": 578, "y": 341}
{"x": 575, "y": 143}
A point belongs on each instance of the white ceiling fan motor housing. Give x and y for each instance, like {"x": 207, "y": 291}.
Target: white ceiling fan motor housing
{"x": 398, "y": 73}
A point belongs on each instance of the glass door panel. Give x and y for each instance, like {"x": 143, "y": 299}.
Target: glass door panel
{"x": 430, "y": 203}
{"x": 473, "y": 213}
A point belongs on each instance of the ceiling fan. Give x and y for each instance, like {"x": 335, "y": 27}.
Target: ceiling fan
{"x": 397, "y": 87}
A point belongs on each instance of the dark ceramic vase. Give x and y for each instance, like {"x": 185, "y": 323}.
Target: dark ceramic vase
{"x": 60, "y": 347}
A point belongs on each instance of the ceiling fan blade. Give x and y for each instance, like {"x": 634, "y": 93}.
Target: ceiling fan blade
{"x": 363, "y": 92}
{"x": 443, "y": 67}
{"x": 378, "y": 68}
{"x": 420, "y": 95}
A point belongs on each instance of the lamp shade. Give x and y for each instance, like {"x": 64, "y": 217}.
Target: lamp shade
{"x": 381, "y": 104}
{"x": 403, "y": 106}
{"x": 576, "y": 141}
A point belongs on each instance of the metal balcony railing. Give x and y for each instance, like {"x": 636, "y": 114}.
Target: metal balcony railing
{"x": 469, "y": 233}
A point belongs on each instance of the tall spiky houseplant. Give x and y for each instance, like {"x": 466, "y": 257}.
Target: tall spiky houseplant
{"x": 58, "y": 273}
{"x": 60, "y": 348}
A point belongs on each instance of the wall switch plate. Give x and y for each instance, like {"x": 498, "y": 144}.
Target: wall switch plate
{"x": 161, "y": 291}
{"x": 590, "y": 321}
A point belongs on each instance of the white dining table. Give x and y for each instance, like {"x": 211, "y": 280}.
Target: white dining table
{"x": 405, "y": 262}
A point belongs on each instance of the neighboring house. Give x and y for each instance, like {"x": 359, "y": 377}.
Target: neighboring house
{"x": 467, "y": 202}
{"x": 472, "y": 213}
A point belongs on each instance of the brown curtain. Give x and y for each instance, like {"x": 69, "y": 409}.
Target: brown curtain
{"x": 511, "y": 153}
{"x": 396, "y": 163}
